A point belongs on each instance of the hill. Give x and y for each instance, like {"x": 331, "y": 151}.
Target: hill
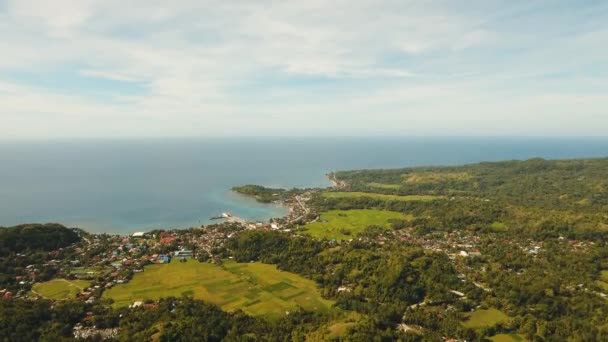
{"x": 30, "y": 237}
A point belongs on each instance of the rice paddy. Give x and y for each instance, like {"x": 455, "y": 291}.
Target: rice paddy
{"x": 256, "y": 288}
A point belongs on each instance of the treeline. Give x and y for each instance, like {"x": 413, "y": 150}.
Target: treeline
{"x": 38, "y": 320}
{"x": 173, "y": 319}
{"x": 35, "y": 237}
{"x": 267, "y": 195}
{"x": 556, "y": 184}
{"x": 480, "y": 215}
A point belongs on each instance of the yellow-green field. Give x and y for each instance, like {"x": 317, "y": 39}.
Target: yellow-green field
{"x": 498, "y": 226}
{"x": 507, "y": 338}
{"x": 383, "y": 197}
{"x": 256, "y": 288}
{"x": 335, "y": 328}
{"x": 59, "y": 289}
{"x": 346, "y": 224}
{"x": 603, "y": 281}
{"x": 436, "y": 177}
{"x": 384, "y": 185}
{"x": 485, "y": 318}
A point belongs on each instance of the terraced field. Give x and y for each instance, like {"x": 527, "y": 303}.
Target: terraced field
{"x": 256, "y": 288}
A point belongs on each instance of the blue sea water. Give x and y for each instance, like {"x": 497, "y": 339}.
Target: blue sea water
{"x": 121, "y": 186}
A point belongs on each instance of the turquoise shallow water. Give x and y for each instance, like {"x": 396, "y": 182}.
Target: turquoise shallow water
{"x": 122, "y": 186}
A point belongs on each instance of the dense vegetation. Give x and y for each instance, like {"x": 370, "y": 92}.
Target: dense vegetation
{"x": 557, "y": 207}
{"x": 33, "y": 237}
{"x": 260, "y": 193}
{"x": 173, "y": 319}
{"x": 535, "y": 183}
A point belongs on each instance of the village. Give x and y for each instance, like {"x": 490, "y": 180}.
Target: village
{"x": 109, "y": 260}
{"x": 104, "y": 261}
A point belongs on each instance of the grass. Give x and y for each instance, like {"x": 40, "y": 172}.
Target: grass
{"x": 346, "y": 224}
{"x": 436, "y": 177}
{"x": 602, "y": 284}
{"x": 383, "y": 197}
{"x": 603, "y": 281}
{"x": 498, "y": 226}
{"x": 384, "y": 186}
{"x": 485, "y": 318}
{"x": 60, "y": 289}
{"x": 507, "y": 338}
{"x": 335, "y": 328}
{"x": 256, "y": 288}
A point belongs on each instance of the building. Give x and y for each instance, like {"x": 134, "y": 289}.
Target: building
{"x": 183, "y": 253}
{"x": 138, "y": 234}
{"x": 164, "y": 259}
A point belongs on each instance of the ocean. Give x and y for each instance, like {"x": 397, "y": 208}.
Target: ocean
{"x": 122, "y": 186}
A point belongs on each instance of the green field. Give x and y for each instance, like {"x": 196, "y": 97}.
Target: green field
{"x": 346, "y": 224}
{"x": 485, "y": 318}
{"x": 59, "y": 289}
{"x": 603, "y": 281}
{"x": 335, "y": 328}
{"x": 383, "y": 197}
{"x": 256, "y": 288}
{"x": 507, "y": 338}
{"x": 498, "y": 226}
{"x": 384, "y": 185}
{"x": 602, "y": 284}
{"x": 433, "y": 177}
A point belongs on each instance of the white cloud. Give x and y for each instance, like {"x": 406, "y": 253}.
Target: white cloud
{"x": 281, "y": 67}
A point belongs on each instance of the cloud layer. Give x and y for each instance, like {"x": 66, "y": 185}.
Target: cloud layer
{"x": 88, "y": 68}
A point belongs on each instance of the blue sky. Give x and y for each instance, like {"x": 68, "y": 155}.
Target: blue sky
{"x": 88, "y": 68}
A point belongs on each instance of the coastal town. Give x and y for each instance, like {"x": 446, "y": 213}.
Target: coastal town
{"x": 110, "y": 260}
{"x": 97, "y": 263}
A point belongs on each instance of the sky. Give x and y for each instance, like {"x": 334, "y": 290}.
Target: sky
{"x": 150, "y": 68}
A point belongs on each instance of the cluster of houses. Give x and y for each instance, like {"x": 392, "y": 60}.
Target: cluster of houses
{"x": 455, "y": 243}
{"x": 5, "y": 294}
{"x": 83, "y": 332}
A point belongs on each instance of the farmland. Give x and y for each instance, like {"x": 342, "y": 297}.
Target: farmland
{"x": 507, "y": 338}
{"x": 60, "y": 289}
{"x": 345, "y": 224}
{"x": 383, "y": 197}
{"x": 256, "y": 288}
{"x": 485, "y": 318}
{"x": 383, "y": 185}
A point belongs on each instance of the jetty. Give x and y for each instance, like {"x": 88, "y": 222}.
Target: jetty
{"x": 221, "y": 216}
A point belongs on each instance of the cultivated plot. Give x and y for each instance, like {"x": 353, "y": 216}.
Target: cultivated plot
{"x": 256, "y": 288}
